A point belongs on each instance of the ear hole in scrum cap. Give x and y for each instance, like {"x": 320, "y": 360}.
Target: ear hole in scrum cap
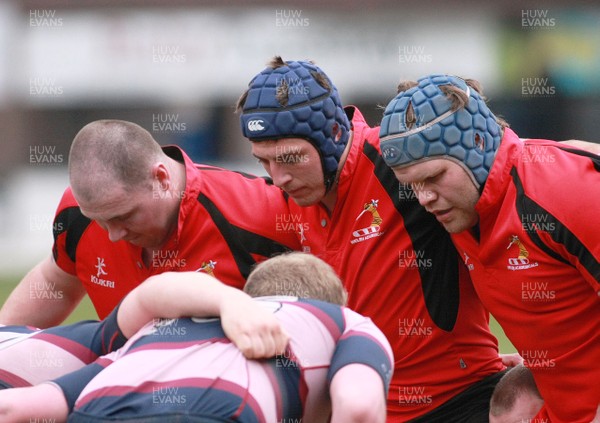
{"x": 479, "y": 141}
{"x": 410, "y": 119}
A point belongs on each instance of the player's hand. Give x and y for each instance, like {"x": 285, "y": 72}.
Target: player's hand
{"x": 253, "y": 329}
{"x": 511, "y": 360}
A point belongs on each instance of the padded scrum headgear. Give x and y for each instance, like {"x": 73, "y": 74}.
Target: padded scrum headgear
{"x": 311, "y": 112}
{"x": 469, "y": 136}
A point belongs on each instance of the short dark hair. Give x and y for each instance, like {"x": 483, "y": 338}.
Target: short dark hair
{"x": 111, "y": 150}
{"x": 515, "y": 382}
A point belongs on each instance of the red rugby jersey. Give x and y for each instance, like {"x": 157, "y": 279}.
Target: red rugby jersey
{"x": 226, "y": 224}
{"x": 536, "y": 267}
{"x": 402, "y": 270}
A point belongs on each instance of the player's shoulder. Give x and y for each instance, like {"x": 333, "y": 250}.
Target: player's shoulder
{"x": 67, "y": 199}
{"x": 545, "y": 168}
{"x": 362, "y": 131}
{"x": 321, "y": 310}
{"x": 68, "y": 213}
{"x": 548, "y": 152}
{"x": 551, "y": 164}
{"x": 216, "y": 172}
{"x": 230, "y": 185}
{"x": 279, "y": 301}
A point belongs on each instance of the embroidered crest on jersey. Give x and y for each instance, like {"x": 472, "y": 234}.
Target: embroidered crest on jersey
{"x": 100, "y": 271}
{"x": 521, "y": 262}
{"x": 208, "y": 267}
{"x": 371, "y": 231}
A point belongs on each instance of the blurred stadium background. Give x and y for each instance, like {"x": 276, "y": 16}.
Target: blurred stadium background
{"x": 177, "y": 67}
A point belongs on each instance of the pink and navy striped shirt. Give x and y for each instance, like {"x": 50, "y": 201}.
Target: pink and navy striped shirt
{"x": 187, "y": 368}
{"x": 29, "y": 356}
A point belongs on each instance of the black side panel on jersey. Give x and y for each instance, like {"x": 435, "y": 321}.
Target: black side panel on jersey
{"x": 593, "y": 157}
{"x": 561, "y": 234}
{"x": 242, "y": 243}
{"x": 430, "y": 241}
{"x": 69, "y": 220}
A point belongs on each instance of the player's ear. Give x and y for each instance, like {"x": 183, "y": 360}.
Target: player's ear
{"x": 161, "y": 177}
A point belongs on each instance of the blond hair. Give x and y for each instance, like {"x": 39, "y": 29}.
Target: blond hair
{"x": 296, "y": 274}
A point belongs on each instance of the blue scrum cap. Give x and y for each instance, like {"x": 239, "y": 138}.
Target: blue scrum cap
{"x": 290, "y": 102}
{"x": 469, "y": 136}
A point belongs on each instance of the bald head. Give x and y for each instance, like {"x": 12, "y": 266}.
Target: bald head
{"x": 109, "y": 152}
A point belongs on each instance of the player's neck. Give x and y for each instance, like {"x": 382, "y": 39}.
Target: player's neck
{"x": 330, "y": 198}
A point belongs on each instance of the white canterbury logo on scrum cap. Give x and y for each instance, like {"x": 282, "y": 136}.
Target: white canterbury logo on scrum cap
{"x": 256, "y": 125}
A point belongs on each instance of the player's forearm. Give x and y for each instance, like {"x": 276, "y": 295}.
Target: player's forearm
{"x": 173, "y": 295}
{"x": 254, "y": 330}
{"x": 8, "y": 410}
{"x": 353, "y": 402}
{"x": 36, "y": 403}
{"x": 43, "y": 298}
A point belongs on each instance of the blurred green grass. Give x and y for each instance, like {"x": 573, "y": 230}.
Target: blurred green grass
{"x": 504, "y": 344}
{"x": 85, "y": 310}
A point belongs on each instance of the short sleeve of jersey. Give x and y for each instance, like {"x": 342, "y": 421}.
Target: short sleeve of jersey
{"x": 363, "y": 343}
{"x": 10, "y": 336}
{"x": 68, "y": 227}
{"x": 93, "y": 338}
{"x": 72, "y": 384}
